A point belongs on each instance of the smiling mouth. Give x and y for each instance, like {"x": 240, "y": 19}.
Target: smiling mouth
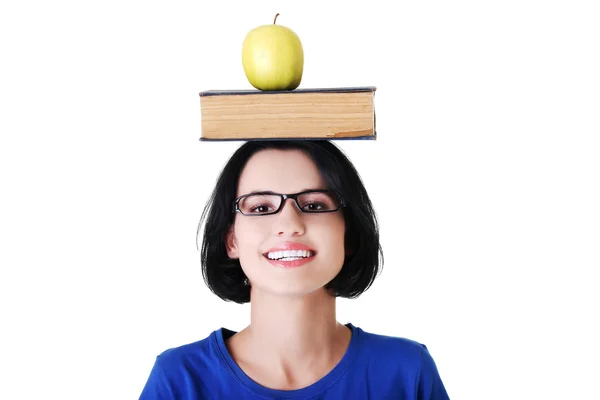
{"x": 289, "y": 255}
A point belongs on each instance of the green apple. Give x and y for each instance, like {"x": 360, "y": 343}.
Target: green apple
{"x": 273, "y": 57}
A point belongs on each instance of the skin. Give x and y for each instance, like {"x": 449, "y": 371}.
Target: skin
{"x": 293, "y": 339}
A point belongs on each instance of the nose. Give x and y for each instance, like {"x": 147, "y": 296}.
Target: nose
{"x": 289, "y": 219}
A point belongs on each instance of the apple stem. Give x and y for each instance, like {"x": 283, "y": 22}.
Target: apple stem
{"x": 276, "y": 15}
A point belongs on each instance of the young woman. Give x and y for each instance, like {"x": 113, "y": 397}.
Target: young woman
{"x": 289, "y": 228}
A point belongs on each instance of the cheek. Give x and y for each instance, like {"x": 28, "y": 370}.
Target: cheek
{"x": 248, "y": 236}
{"x": 331, "y": 236}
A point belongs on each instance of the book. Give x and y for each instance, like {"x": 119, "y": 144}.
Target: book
{"x": 319, "y": 113}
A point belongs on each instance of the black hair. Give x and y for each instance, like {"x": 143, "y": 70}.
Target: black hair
{"x": 364, "y": 257}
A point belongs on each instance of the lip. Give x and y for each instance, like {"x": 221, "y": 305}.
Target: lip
{"x": 290, "y": 246}
{"x": 290, "y": 264}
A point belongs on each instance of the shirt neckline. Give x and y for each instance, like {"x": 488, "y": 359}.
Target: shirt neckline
{"x": 329, "y": 379}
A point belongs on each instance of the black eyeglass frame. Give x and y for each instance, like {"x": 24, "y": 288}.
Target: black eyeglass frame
{"x": 284, "y": 197}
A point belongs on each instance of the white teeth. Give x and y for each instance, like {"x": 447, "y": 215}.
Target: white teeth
{"x": 289, "y": 255}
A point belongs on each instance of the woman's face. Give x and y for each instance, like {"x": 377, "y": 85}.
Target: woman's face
{"x": 315, "y": 242}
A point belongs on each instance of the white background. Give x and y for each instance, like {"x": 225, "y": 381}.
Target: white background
{"x": 485, "y": 176}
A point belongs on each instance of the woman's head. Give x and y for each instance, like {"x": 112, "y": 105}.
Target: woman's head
{"x": 242, "y": 239}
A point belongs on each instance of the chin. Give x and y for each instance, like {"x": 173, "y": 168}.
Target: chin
{"x": 290, "y": 289}
{"x": 299, "y": 281}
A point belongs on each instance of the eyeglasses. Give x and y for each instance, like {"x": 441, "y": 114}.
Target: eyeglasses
{"x": 268, "y": 203}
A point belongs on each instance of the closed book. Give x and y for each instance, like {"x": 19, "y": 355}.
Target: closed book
{"x": 319, "y": 113}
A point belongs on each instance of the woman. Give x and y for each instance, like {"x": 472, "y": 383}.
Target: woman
{"x": 289, "y": 228}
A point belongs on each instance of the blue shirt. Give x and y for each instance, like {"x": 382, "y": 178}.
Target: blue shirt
{"x": 374, "y": 367}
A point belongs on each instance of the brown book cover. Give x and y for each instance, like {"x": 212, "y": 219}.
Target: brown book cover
{"x": 320, "y": 113}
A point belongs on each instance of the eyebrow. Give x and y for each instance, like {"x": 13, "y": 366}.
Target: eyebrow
{"x": 261, "y": 192}
{"x": 272, "y": 192}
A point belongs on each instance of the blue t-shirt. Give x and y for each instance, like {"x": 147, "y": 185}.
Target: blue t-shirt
{"x": 374, "y": 367}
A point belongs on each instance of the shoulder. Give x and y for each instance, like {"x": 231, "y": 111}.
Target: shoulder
{"x": 175, "y": 367}
{"x": 194, "y": 350}
{"x": 400, "y": 359}
{"x": 397, "y": 353}
{"x": 392, "y": 346}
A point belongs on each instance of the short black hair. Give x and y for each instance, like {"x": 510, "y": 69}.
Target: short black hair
{"x": 364, "y": 257}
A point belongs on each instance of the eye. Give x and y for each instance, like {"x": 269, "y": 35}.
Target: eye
{"x": 315, "y": 206}
{"x": 261, "y": 208}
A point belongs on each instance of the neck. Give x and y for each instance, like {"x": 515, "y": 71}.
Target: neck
{"x": 296, "y": 332}
{"x": 293, "y": 327}
{"x": 291, "y": 341}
